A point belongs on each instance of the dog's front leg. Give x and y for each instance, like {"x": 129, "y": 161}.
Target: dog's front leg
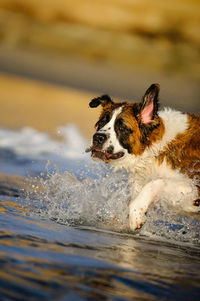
{"x": 138, "y": 207}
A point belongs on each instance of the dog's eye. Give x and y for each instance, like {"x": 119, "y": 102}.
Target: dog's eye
{"x": 120, "y": 127}
{"x": 105, "y": 119}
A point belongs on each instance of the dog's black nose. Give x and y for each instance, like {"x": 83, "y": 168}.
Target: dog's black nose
{"x": 99, "y": 139}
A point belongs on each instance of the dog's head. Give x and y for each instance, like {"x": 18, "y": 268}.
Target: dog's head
{"x": 125, "y": 128}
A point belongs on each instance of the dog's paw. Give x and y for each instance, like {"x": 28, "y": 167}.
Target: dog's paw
{"x": 136, "y": 218}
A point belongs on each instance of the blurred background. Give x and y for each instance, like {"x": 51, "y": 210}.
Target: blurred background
{"x": 56, "y": 55}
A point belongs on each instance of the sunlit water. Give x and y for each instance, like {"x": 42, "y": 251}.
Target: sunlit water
{"x": 64, "y": 231}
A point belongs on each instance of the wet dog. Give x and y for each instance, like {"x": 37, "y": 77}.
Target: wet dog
{"x": 160, "y": 150}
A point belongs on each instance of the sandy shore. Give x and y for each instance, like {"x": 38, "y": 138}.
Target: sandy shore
{"x": 44, "y": 106}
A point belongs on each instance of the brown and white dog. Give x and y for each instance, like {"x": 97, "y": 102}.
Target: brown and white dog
{"x": 160, "y": 149}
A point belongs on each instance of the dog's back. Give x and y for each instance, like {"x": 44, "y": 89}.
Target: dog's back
{"x": 183, "y": 152}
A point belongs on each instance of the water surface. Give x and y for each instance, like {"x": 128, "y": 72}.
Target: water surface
{"x": 64, "y": 232}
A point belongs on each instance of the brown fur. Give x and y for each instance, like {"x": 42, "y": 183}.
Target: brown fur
{"x": 136, "y": 139}
{"x": 184, "y": 152}
{"x": 136, "y": 136}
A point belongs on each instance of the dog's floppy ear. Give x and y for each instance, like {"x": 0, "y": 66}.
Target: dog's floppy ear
{"x": 149, "y": 105}
{"x": 102, "y": 100}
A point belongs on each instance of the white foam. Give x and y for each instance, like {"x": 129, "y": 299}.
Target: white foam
{"x": 31, "y": 142}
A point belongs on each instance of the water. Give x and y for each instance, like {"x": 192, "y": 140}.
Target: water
{"x": 64, "y": 232}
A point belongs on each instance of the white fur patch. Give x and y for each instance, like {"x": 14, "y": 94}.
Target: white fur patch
{"x": 175, "y": 123}
{"x": 109, "y": 130}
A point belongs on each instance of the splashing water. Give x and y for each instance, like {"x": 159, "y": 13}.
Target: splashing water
{"x": 99, "y": 202}
{"x": 89, "y": 193}
{"x": 102, "y": 202}
{"x": 169, "y": 223}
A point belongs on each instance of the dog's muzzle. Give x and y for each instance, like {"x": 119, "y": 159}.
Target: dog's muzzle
{"x": 99, "y": 139}
{"x": 96, "y": 149}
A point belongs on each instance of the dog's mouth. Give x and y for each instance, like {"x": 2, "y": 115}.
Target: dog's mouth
{"x": 103, "y": 155}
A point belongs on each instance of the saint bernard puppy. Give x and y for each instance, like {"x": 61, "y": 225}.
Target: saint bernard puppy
{"x": 159, "y": 149}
